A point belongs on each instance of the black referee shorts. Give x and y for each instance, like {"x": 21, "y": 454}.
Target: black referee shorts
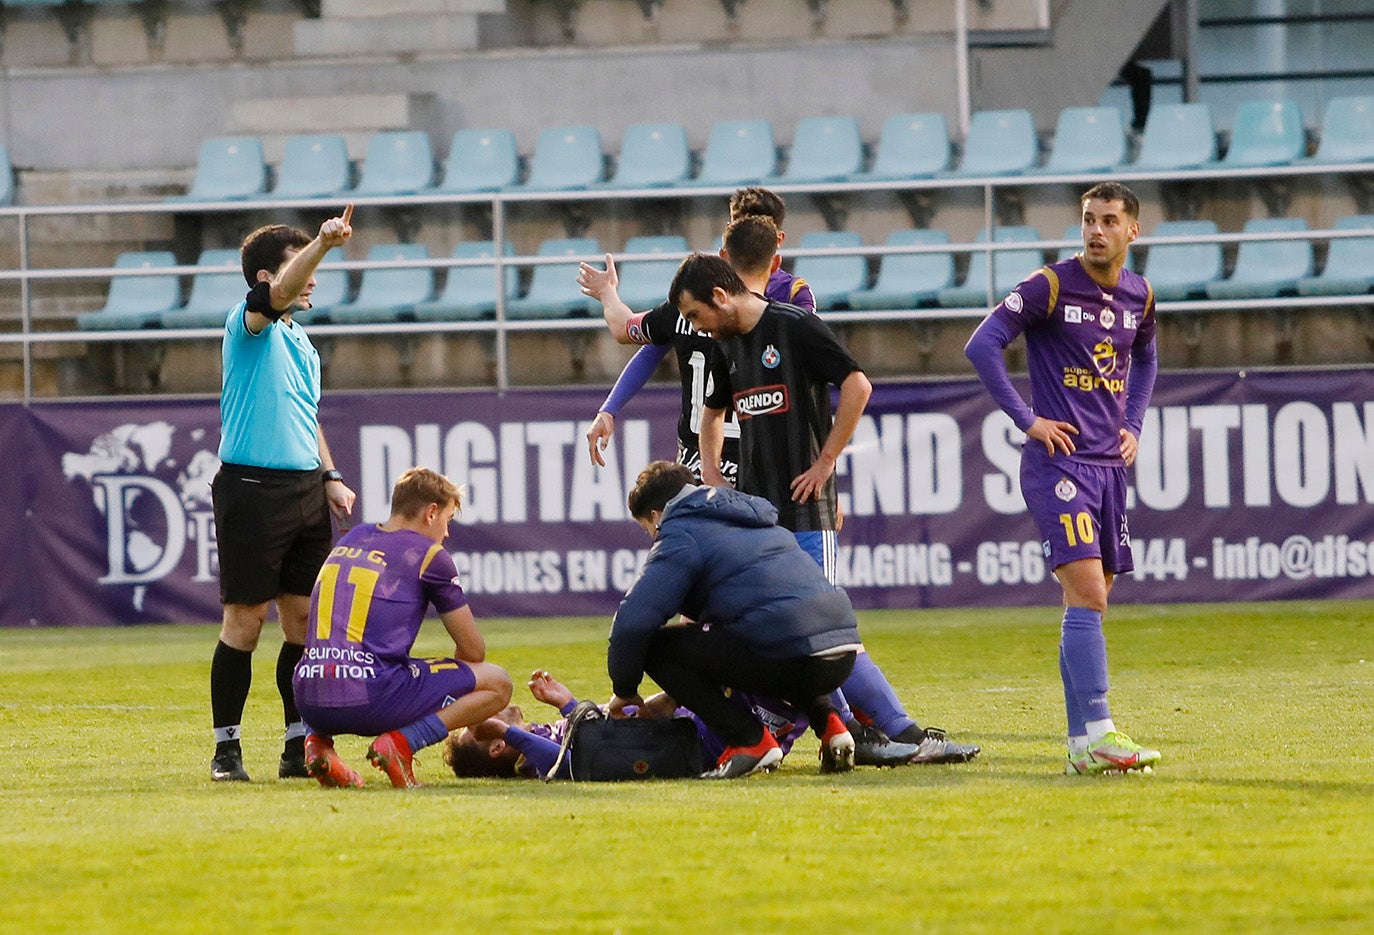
{"x": 273, "y": 531}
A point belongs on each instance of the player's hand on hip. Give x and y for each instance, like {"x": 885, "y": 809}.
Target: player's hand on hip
{"x": 1129, "y": 446}
{"x": 593, "y": 282}
{"x": 1055, "y": 436}
{"x": 599, "y": 436}
{"x": 809, "y": 484}
{"x": 341, "y": 500}
{"x": 336, "y": 231}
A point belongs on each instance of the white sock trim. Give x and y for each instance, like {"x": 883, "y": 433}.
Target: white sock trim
{"x": 294, "y": 730}
{"x": 1097, "y": 728}
{"x": 233, "y": 732}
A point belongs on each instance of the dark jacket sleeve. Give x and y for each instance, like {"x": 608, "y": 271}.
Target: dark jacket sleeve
{"x": 655, "y": 596}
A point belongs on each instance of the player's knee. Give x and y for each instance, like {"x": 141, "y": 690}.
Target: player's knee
{"x": 242, "y": 624}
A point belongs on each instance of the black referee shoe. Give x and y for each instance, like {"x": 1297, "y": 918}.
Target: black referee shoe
{"x": 227, "y": 766}
{"x": 292, "y": 765}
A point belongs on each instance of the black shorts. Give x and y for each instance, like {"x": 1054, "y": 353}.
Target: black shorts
{"x": 273, "y": 532}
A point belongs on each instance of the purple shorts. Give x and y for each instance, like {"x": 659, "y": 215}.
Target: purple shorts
{"x": 1080, "y": 509}
{"x": 397, "y": 696}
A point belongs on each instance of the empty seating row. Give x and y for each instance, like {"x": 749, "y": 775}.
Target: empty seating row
{"x": 824, "y": 149}
{"x": 905, "y": 280}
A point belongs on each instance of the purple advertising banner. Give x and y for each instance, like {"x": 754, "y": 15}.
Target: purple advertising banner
{"x": 1254, "y": 486}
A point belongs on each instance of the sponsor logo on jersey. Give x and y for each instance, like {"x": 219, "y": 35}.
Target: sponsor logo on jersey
{"x": 1014, "y": 302}
{"x": 1129, "y": 321}
{"x": 1073, "y": 314}
{"x": 1065, "y": 490}
{"x": 1107, "y": 317}
{"x": 761, "y": 401}
{"x": 770, "y": 357}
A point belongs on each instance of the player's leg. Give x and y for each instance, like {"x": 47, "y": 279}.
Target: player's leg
{"x": 231, "y": 677}
{"x": 323, "y": 763}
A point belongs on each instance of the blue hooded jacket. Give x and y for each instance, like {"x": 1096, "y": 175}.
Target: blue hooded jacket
{"x": 720, "y": 558}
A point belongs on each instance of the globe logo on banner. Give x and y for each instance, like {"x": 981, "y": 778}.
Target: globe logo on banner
{"x": 153, "y": 507}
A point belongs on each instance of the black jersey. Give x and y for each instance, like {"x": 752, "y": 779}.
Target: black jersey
{"x": 663, "y": 325}
{"x": 777, "y": 379}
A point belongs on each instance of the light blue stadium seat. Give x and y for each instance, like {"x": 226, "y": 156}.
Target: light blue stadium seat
{"x": 1349, "y": 268}
{"x": 1347, "y": 131}
{"x": 739, "y": 152}
{"x": 911, "y": 146}
{"x": 653, "y": 155}
{"x": 480, "y": 161}
{"x": 1267, "y": 268}
{"x": 386, "y": 296}
{"x": 230, "y": 168}
{"x": 314, "y": 166}
{"x": 1000, "y": 142}
{"x": 1265, "y": 133}
{"x": 908, "y": 280}
{"x": 6, "y": 177}
{"x": 1086, "y": 139}
{"x": 398, "y": 162}
{"x": 566, "y": 158}
{"x": 825, "y": 149}
{"x": 331, "y": 289}
{"x": 1074, "y": 232}
{"x": 135, "y": 301}
{"x": 1183, "y": 270}
{"x": 644, "y": 283}
{"x": 832, "y": 278}
{"x": 1009, "y": 268}
{"x": 1177, "y": 136}
{"x": 469, "y": 292}
{"x": 212, "y": 294}
{"x": 553, "y": 288}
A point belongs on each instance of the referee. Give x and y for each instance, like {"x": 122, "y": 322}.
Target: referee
{"x": 276, "y": 485}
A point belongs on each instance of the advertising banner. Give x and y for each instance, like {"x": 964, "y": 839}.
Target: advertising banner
{"x": 1249, "y": 486}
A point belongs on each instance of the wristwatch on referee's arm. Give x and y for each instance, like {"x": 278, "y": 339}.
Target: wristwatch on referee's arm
{"x": 332, "y": 474}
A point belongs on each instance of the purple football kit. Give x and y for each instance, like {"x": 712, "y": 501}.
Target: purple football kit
{"x": 357, "y": 675}
{"x": 1090, "y": 353}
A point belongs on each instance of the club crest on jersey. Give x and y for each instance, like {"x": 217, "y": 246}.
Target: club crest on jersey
{"x": 1107, "y": 317}
{"x": 1065, "y": 490}
{"x": 634, "y": 332}
{"x": 1014, "y": 302}
{"x": 761, "y": 401}
{"x": 1104, "y": 356}
{"x": 1073, "y": 314}
{"x": 770, "y": 357}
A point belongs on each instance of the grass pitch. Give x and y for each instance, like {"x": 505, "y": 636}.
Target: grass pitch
{"x": 1259, "y": 818}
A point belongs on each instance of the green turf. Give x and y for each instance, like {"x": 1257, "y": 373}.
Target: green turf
{"x": 1259, "y": 818}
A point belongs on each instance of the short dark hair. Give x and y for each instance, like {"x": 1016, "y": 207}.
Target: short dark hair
{"x": 266, "y": 248}
{"x": 658, "y": 483}
{"x": 700, "y": 273}
{"x": 757, "y": 202}
{"x": 471, "y": 761}
{"x": 418, "y": 487}
{"x": 1114, "y": 191}
{"x": 752, "y": 242}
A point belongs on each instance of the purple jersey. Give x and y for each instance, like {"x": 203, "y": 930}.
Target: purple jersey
{"x": 368, "y": 603}
{"x": 1081, "y": 341}
{"x": 784, "y": 287}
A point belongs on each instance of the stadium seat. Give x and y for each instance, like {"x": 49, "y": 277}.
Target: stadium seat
{"x": 911, "y": 146}
{"x": 825, "y": 149}
{"x": 230, "y": 168}
{"x": 1183, "y": 270}
{"x": 469, "y": 292}
{"x": 312, "y": 167}
{"x": 331, "y": 289}
{"x": 739, "y": 152}
{"x": 480, "y": 161}
{"x": 1265, "y": 133}
{"x": 1349, "y": 268}
{"x": 652, "y": 155}
{"x": 1009, "y": 268}
{"x": 212, "y": 294}
{"x": 552, "y": 292}
{"x": 6, "y": 177}
{"x": 832, "y": 278}
{"x": 566, "y": 158}
{"x": 1086, "y": 139}
{"x": 908, "y": 280}
{"x": 1000, "y": 142}
{"x": 386, "y": 296}
{"x": 1267, "y": 268}
{"x": 136, "y": 301}
{"x": 398, "y": 162}
{"x": 1347, "y": 131}
{"x": 1177, "y": 136}
{"x": 644, "y": 283}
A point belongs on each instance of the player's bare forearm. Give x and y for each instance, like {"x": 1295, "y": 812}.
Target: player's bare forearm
{"x": 341, "y": 498}
{"x": 602, "y": 285}
{"x": 295, "y": 274}
{"x": 711, "y": 442}
{"x": 468, "y": 644}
